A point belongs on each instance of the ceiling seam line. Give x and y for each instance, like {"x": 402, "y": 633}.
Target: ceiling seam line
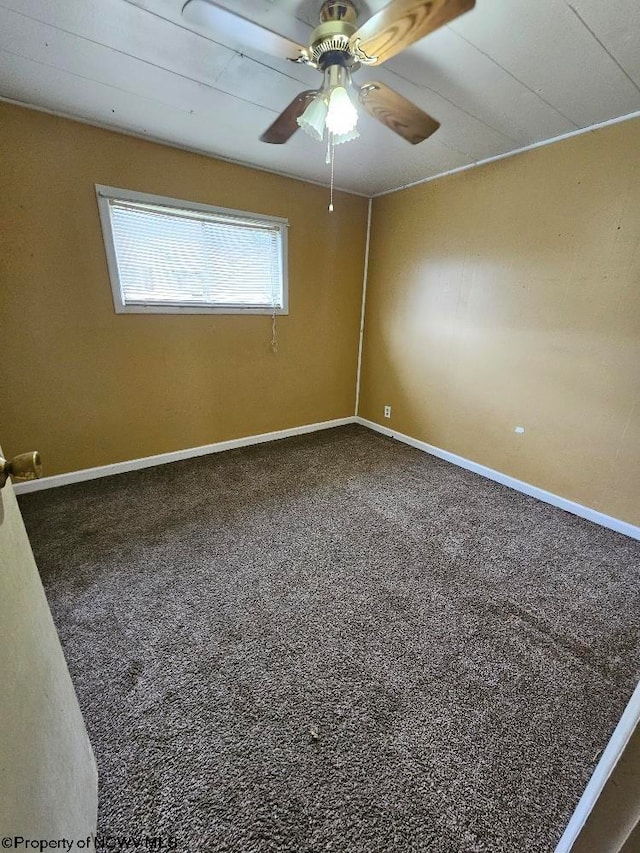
{"x": 604, "y": 47}
{"x": 88, "y": 79}
{"x": 114, "y": 49}
{"x": 453, "y": 104}
{"x": 234, "y": 53}
{"x": 129, "y": 91}
{"x": 513, "y": 76}
{"x": 212, "y": 41}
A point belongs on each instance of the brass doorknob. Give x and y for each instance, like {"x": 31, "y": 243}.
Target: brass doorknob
{"x": 25, "y": 466}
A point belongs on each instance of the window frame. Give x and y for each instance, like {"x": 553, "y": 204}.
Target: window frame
{"x": 105, "y": 194}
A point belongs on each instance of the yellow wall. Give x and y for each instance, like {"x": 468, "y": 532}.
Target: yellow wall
{"x": 88, "y": 387}
{"x": 503, "y": 296}
{"x": 509, "y": 295}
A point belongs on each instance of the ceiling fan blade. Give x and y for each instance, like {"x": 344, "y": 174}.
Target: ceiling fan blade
{"x": 397, "y": 113}
{"x": 235, "y": 29}
{"x": 286, "y": 125}
{"x": 400, "y": 24}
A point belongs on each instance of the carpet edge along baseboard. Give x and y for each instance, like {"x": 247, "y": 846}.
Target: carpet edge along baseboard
{"x": 123, "y": 467}
{"x": 617, "y": 524}
{"x": 620, "y": 526}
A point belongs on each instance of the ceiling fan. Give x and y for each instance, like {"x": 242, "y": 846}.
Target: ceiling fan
{"x": 338, "y": 47}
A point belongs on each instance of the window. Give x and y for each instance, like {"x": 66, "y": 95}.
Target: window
{"x": 179, "y": 257}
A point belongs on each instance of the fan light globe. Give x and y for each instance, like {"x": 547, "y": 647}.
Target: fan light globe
{"x": 313, "y": 119}
{"x": 339, "y": 138}
{"x": 342, "y": 116}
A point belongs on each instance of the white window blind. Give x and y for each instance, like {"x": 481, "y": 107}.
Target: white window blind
{"x": 169, "y": 255}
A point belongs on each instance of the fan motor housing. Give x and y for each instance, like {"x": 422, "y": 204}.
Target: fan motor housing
{"x": 334, "y": 31}
{"x": 329, "y": 43}
{"x": 332, "y": 38}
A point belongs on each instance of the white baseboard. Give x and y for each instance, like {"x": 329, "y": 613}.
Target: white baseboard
{"x": 173, "y": 456}
{"x": 519, "y": 485}
{"x": 605, "y": 767}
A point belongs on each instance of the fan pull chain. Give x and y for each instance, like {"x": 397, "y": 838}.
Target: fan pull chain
{"x": 331, "y": 155}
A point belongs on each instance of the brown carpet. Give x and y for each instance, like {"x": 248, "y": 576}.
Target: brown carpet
{"x": 461, "y": 652}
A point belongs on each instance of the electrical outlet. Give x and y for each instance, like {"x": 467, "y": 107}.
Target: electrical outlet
{"x": 387, "y": 411}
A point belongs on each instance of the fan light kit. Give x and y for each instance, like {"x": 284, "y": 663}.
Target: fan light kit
{"x": 338, "y": 47}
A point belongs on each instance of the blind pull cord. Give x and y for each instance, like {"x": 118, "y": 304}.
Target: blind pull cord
{"x": 274, "y": 331}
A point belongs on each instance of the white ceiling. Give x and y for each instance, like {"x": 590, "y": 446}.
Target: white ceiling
{"x": 503, "y": 76}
